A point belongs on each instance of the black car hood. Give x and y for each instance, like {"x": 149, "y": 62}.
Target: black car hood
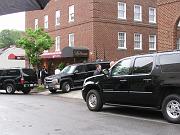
{"x": 62, "y": 74}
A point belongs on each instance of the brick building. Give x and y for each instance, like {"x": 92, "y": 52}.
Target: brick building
{"x": 109, "y": 29}
{"x": 168, "y": 24}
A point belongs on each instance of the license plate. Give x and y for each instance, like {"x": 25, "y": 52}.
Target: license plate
{"x": 31, "y": 85}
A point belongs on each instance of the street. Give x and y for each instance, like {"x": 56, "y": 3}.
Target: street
{"x": 52, "y": 115}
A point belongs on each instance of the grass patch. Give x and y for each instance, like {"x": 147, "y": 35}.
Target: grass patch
{"x": 40, "y": 88}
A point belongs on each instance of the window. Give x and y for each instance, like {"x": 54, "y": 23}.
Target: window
{"x": 121, "y": 10}
{"x": 122, "y": 40}
{"x": 143, "y": 65}
{"x": 170, "y": 62}
{"x": 13, "y": 72}
{"x": 152, "y": 42}
{"x": 46, "y": 21}
{"x": 36, "y": 24}
{"x": 121, "y": 68}
{"x": 58, "y": 43}
{"x": 152, "y": 15}
{"x": 178, "y": 43}
{"x": 137, "y": 13}
{"x": 80, "y": 69}
{"x": 138, "y": 41}
{"x": 58, "y": 14}
{"x": 71, "y": 13}
{"x": 71, "y": 39}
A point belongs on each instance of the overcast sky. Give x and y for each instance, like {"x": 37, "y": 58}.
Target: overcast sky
{"x": 13, "y": 21}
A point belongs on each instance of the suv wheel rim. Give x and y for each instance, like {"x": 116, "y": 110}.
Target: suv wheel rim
{"x": 9, "y": 89}
{"x": 67, "y": 87}
{"x": 92, "y": 100}
{"x": 173, "y": 109}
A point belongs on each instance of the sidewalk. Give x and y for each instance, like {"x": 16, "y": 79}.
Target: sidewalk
{"x": 72, "y": 94}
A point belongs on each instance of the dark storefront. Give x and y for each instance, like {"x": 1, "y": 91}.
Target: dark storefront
{"x": 68, "y": 55}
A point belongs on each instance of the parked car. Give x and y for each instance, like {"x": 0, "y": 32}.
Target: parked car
{"x": 145, "y": 81}
{"x": 20, "y": 79}
{"x": 72, "y": 76}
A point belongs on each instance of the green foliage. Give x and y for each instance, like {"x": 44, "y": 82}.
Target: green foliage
{"x": 9, "y": 37}
{"x": 61, "y": 66}
{"x": 34, "y": 43}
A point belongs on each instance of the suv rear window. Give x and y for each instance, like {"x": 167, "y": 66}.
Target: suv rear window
{"x": 91, "y": 67}
{"x": 28, "y": 72}
{"x": 170, "y": 62}
{"x": 12, "y": 72}
{"x": 143, "y": 65}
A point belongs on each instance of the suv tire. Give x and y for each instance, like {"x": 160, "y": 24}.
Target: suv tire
{"x": 10, "y": 88}
{"x": 66, "y": 87}
{"x": 171, "y": 108}
{"x": 26, "y": 91}
{"x": 52, "y": 91}
{"x": 94, "y": 101}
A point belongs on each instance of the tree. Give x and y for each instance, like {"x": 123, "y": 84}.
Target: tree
{"x": 9, "y": 37}
{"x": 34, "y": 43}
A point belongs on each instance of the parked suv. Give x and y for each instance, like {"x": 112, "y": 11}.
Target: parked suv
{"x": 72, "y": 76}
{"x": 149, "y": 81}
{"x": 20, "y": 79}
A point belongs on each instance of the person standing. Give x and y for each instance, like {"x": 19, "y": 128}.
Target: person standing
{"x": 57, "y": 71}
{"x": 98, "y": 70}
{"x": 44, "y": 73}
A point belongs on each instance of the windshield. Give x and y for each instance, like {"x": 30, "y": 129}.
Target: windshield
{"x": 69, "y": 69}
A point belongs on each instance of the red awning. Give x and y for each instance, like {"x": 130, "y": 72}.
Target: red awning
{"x": 15, "y": 57}
{"x": 51, "y": 55}
{"x": 12, "y": 56}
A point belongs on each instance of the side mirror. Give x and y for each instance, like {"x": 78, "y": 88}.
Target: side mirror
{"x": 105, "y": 72}
{"x": 76, "y": 71}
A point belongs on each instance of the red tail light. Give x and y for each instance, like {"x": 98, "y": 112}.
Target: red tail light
{"x": 22, "y": 80}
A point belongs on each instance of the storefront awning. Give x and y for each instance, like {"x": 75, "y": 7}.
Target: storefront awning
{"x": 16, "y": 57}
{"x": 75, "y": 52}
{"x": 51, "y": 55}
{"x": 14, "y": 6}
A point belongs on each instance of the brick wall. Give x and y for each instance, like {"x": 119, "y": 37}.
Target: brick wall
{"x": 168, "y": 18}
{"x": 96, "y": 25}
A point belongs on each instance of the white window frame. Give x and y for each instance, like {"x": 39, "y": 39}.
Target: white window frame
{"x": 58, "y": 43}
{"x": 152, "y": 15}
{"x": 58, "y": 16}
{"x": 120, "y": 10}
{"x": 71, "y": 13}
{"x": 46, "y": 22}
{"x": 140, "y": 41}
{"x": 36, "y": 23}
{"x": 178, "y": 43}
{"x": 139, "y": 15}
{"x": 120, "y": 39}
{"x": 71, "y": 39}
{"x": 152, "y": 42}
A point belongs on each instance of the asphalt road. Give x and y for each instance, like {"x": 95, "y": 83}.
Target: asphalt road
{"x": 50, "y": 115}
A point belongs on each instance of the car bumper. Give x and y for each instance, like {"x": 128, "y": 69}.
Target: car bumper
{"x": 52, "y": 86}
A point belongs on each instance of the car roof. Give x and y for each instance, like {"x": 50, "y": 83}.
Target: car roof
{"x": 99, "y": 62}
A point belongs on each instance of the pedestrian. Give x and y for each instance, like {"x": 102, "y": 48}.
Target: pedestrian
{"x": 98, "y": 70}
{"x": 57, "y": 71}
{"x": 44, "y": 73}
{"x": 112, "y": 63}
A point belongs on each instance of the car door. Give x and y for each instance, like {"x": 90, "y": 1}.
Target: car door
{"x": 79, "y": 75}
{"x": 141, "y": 82}
{"x": 116, "y": 86}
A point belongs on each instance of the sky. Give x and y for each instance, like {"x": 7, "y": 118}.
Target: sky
{"x": 14, "y": 21}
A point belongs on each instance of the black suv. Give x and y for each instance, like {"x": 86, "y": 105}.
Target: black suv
{"x": 145, "y": 81}
{"x": 72, "y": 76}
{"x": 20, "y": 79}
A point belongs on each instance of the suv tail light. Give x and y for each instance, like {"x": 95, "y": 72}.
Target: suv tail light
{"x": 22, "y": 80}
